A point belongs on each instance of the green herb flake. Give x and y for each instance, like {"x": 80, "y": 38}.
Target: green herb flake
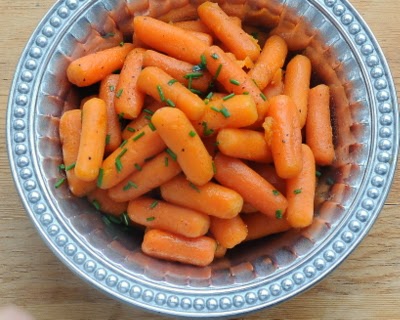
{"x": 136, "y": 138}
{"x": 121, "y": 116}
{"x": 216, "y": 143}
{"x": 171, "y": 154}
{"x": 70, "y": 167}
{"x": 121, "y": 44}
{"x": 106, "y": 220}
{"x": 108, "y": 137}
{"x": 279, "y": 214}
{"x": 225, "y": 112}
{"x": 210, "y": 95}
{"x": 254, "y": 35}
{"x": 150, "y": 219}
{"x": 160, "y": 93}
{"x": 114, "y": 219}
{"x": 59, "y": 183}
{"x": 148, "y": 111}
{"x": 275, "y": 192}
{"x": 262, "y": 95}
{"x": 193, "y": 75}
{"x": 192, "y": 133}
{"x": 318, "y": 173}
{"x": 118, "y": 164}
{"x": 147, "y": 117}
{"x": 170, "y": 103}
{"x": 330, "y": 181}
{"x": 195, "y": 91}
{"x": 235, "y": 82}
{"x": 246, "y": 93}
{"x": 130, "y": 129}
{"x": 100, "y": 177}
{"x": 194, "y": 187}
{"x": 125, "y": 219}
{"x": 214, "y": 167}
{"x": 108, "y": 35}
{"x": 214, "y": 56}
{"x": 215, "y": 109}
{"x": 123, "y": 143}
{"x": 203, "y": 61}
{"x": 130, "y": 185}
{"x": 119, "y": 93}
{"x": 297, "y": 191}
{"x": 96, "y": 204}
{"x": 112, "y": 88}
{"x": 138, "y": 167}
{"x": 229, "y": 96}
{"x": 171, "y": 82}
{"x": 61, "y": 167}
{"x": 166, "y": 160}
{"x": 154, "y": 204}
{"x": 151, "y": 126}
{"x": 218, "y": 72}
{"x": 206, "y": 130}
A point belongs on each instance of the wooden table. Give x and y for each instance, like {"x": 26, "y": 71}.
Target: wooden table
{"x": 366, "y": 286}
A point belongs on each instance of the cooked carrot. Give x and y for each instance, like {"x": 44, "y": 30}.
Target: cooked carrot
{"x": 268, "y": 172}
{"x": 129, "y": 157}
{"x": 179, "y": 70}
{"x": 259, "y": 225}
{"x": 233, "y": 78}
{"x": 228, "y": 232}
{"x": 93, "y": 140}
{"x": 107, "y": 93}
{"x": 161, "y": 86}
{"x": 154, "y": 173}
{"x": 235, "y": 112}
{"x": 158, "y": 214}
{"x": 297, "y": 84}
{"x": 102, "y": 202}
{"x": 254, "y": 189}
{"x": 94, "y": 67}
{"x": 275, "y": 87}
{"x": 128, "y": 99}
{"x": 318, "y": 126}
{"x": 300, "y": 192}
{"x": 285, "y": 136}
{"x": 86, "y": 99}
{"x": 169, "y": 39}
{"x": 244, "y": 144}
{"x": 231, "y": 35}
{"x": 183, "y": 141}
{"x": 211, "y": 198}
{"x": 172, "y": 247}
{"x": 141, "y": 121}
{"x": 271, "y": 59}
{"x": 193, "y": 25}
{"x": 70, "y": 134}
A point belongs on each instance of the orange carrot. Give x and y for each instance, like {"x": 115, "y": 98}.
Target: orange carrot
{"x": 297, "y": 84}
{"x": 254, "y": 189}
{"x": 94, "y": 67}
{"x": 159, "y": 214}
{"x": 106, "y": 93}
{"x": 231, "y": 35}
{"x": 318, "y": 126}
{"x": 70, "y": 134}
{"x": 244, "y": 144}
{"x": 179, "y": 70}
{"x": 236, "y": 112}
{"x": 141, "y": 121}
{"x": 102, "y": 202}
{"x": 169, "y": 246}
{"x": 183, "y": 141}
{"x": 128, "y": 99}
{"x": 271, "y": 59}
{"x": 233, "y": 78}
{"x": 154, "y": 173}
{"x": 268, "y": 172}
{"x": 129, "y": 157}
{"x": 300, "y": 192}
{"x": 275, "y": 87}
{"x": 93, "y": 140}
{"x": 86, "y": 99}
{"x": 193, "y": 25}
{"x": 228, "y": 232}
{"x": 161, "y": 35}
{"x": 211, "y": 198}
{"x": 285, "y": 136}
{"x": 259, "y": 225}
{"x": 162, "y": 87}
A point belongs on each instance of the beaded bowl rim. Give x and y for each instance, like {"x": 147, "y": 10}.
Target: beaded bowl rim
{"x": 174, "y": 301}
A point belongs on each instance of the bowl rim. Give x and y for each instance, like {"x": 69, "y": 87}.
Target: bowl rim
{"x": 174, "y": 301}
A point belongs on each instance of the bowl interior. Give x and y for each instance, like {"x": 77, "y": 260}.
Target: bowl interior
{"x": 308, "y": 30}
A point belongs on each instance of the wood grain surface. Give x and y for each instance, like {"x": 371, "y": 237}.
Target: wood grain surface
{"x": 365, "y": 286}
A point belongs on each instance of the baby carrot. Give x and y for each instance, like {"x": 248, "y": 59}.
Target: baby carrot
{"x": 107, "y": 93}
{"x": 154, "y": 173}
{"x": 318, "y": 126}
{"x": 285, "y": 136}
{"x": 102, "y": 202}
{"x": 168, "y": 246}
{"x": 268, "y": 172}
{"x": 183, "y": 141}
{"x": 228, "y": 112}
{"x": 161, "y": 35}
{"x": 236, "y": 175}
{"x": 158, "y": 214}
{"x": 228, "y": 232}
{"x": 231, "y": 35}
{"x": 128, "y": 99}
{"x": 70, "y": 134}
{"x": 179, "y": 70}
{"x": 297, "y": 84}
{"x": 259, "y": 225}
{"x": 130, "y": 156}
{"x": 244, "y": 144}
{"x": 300, "y": 192}
{"x": 162, "y": 87}
{"x": 233, "y": 78}
{"x": 93, "y": 140}
{"x": 275, "y": 87}
{"x": 193, "y": 25}
{"x": 211, "y": 198}
{"x": 94, "y": 67}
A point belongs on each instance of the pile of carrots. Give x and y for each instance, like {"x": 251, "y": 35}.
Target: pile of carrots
{"x": 221, "y": 135}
